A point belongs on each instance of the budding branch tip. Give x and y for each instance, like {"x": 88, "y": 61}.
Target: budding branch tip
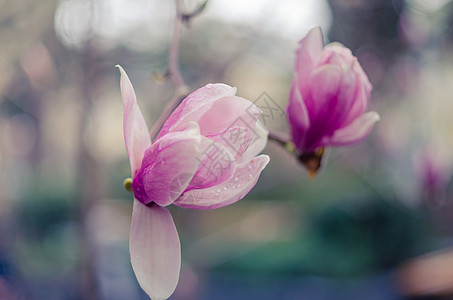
{"x": 128, "y": 184}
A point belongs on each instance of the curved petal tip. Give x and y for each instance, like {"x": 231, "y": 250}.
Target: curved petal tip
{"x": 136, "y": 136}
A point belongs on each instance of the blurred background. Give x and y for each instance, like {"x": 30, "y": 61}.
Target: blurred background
{"x": 376, "y": 223}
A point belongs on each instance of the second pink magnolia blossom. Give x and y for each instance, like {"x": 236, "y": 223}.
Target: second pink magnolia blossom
{"x": 329, "y": 96}
{"x": 204, "y": 157}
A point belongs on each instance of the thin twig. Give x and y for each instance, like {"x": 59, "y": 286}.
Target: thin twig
{"x": 173, "y": 72}
{"x": 174, "y": 102}
{"x": 278, "y": 138}
{"x": 188, "y": 16}
{"x": 173, "y": 55}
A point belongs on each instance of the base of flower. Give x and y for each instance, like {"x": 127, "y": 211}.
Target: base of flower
{"x": 312, "y": 161}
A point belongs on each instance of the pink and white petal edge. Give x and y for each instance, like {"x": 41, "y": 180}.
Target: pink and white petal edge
{"x": 354, "y": 132}
{"x": 257, "y": 145}
{"x": 155, "y": 250}
{"x": 200, "y": 100}
{"x": 136, "y": 135}
{"x": 227, "y": 193}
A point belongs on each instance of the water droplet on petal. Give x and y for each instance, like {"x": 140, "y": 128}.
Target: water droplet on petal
{"x": 250, "y": 176}
{"x": 236, "y": 179}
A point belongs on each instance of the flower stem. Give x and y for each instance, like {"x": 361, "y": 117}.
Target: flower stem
{"x": 277, "y": 137}
{"x": 173, "y": 72}
{"x": 283, "y": 140}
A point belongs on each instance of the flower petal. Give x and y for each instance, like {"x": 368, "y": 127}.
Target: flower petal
{"x": 218, "y": 116}
{"x": 362, "y": 96}
{"x": 155, "y": 250}
{"x": 224, "y": 114}
{"x": 308, "y": 55}
{"x": 325, "y": 83}
{"x": 196, "y": 102}
{"x": 256, "y": 145}
{"x": 297, "y": 115}
{"x": 348, "y": 58}
{"x": 233, "y": 139}
{"x": 354, "y": 132}
{"x": 331, "y": 97}
{"x": 239, "y": 142}
{"x": 136, "y": 135}
{"x": 170, "y": 164}
{"x": 236, "y": 188}
{"x": 217, "y": 165}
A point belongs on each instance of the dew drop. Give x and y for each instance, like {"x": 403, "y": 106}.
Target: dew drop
{"x": 225, "y": 188}
{"x": 236, "y": 179}
{"x": 250, "y": 176}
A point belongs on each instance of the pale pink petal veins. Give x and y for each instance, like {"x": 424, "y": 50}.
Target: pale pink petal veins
{"x": 170, "y": 164}
{"x": 224, "y": 194}
{"x": 354, "y": 132}
{"x": 197, "y": 102}
{"x": 155, "y": 250}
{"x": 136, "y": 134}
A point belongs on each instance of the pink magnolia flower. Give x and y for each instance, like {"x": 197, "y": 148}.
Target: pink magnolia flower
{"x": 204, "y": 158}
{"x": 329, "y": 96}
{"x": 433, "y": 167}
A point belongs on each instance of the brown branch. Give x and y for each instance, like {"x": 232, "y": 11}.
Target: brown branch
{"x": 278, "y": 138}
{"x": 173, "y": 71}
{"x": 188, "y": 16}
{"x": 173, "y": 54}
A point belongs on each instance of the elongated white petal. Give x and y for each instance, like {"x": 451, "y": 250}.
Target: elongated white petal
{"x": 136, "y": 135}
{"x": 155, "y": 250}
